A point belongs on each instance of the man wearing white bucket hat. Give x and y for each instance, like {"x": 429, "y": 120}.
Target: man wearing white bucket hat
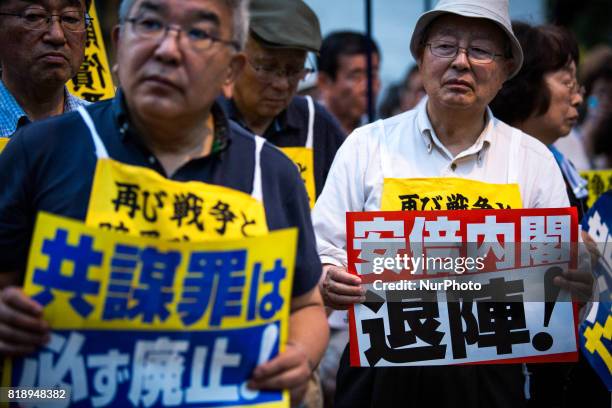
{"x": 465, "y": 50}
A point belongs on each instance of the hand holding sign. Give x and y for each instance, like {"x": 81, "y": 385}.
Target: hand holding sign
{"x": 22, "y": 328}
{"x": 340, "y": 289}
{"x": 289, "y": 370}
{"x": 579, "y": 281}
{"x": 519, "y": 312}
{"x": 195, "y": 318}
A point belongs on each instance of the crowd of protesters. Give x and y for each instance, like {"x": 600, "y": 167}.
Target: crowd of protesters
{"x": 208, "y": 92}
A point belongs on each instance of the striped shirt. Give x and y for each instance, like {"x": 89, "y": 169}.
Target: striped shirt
{"x": 12, "y": 116}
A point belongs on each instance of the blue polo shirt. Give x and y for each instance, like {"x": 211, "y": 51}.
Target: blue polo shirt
{"x": 290, "y": 129}
{"x": 49, "y": 166}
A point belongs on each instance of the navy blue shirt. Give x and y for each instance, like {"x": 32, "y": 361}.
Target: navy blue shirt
{"x": 49, "y": 166}
{"x": 290, "y": 129}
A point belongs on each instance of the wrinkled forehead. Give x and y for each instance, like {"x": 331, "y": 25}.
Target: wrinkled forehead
{"x": 210, "y": 10}
{"x": 468, "y": 28}
{"x": 45, "y": 3}
{"x": 348, "y": 61}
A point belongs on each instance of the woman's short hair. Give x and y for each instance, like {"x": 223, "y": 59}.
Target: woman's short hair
{"x": 546, "y": 48}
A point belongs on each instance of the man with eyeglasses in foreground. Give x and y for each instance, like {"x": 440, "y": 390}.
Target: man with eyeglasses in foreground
{"x": 173, "y": 59}
{"x": 465, "y": 50}
{"x": 43, "y": 45}
{"x": 264, "y": 96}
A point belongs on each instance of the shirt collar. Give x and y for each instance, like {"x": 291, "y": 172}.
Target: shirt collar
{"x": 72, "y": 103}
{"x": 289, "y": 119}
{"x": 430, "y": 139}
{"x": 11, "y": 113}
{"x": 232, "y": 111}
{"x": 12, "y": 116}
{"x": 221, "y": 123}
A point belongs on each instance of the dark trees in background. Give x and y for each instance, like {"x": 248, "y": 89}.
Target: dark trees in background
{"x": 590, "y": 20}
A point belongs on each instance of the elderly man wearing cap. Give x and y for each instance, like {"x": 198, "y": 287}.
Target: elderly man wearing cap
{"x": 39, "y": 54}
{"x": 264, "y": 100}
{"x": 465, "y": 50}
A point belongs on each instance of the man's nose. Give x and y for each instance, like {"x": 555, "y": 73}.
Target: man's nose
{"x": 55, "y": 32}
{"x": 461, "y": 60}
{"x": 282, "y": 82}
{"x": 169, "y": 49}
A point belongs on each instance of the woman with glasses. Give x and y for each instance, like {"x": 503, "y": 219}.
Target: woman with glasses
{"x": 543, "y": 98}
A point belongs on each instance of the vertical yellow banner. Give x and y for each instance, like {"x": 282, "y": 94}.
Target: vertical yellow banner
{"x": 93, "y": 82}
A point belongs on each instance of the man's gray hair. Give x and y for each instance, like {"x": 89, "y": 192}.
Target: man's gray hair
{"x": 240, "y": 15}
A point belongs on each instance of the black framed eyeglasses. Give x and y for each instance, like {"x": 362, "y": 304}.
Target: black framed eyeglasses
{"x": 36, "y": 19}
{"x": 478, "y": 55}
{"x": 154, "y": 29}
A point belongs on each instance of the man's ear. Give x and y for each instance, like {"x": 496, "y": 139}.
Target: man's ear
{"x": 115, "y": 34}
{"x": 509, "y": 67}
{"x": 419, "y": 61}
{"x": 324, "y": 81}
{"x": 235, "y": 68}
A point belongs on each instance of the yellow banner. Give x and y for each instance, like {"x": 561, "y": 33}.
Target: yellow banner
{"x": 600, "y": 181}
{"x": 425, "y": 194}
{"x": 210, "y": 308}
{"x": 139, "y": 201}
{"x": 303, "y": 158}
{"x": 93, "y": 82}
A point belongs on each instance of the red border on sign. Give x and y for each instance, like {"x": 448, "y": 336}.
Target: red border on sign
{"x": 466, "y": 217}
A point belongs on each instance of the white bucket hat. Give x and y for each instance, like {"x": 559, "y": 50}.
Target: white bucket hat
{"x": 492, "y": 10}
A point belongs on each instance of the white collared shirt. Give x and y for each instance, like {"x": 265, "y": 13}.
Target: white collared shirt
{"x": 412, "y": 150}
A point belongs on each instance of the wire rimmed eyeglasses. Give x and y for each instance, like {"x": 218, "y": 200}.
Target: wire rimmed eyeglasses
{"x": 198, "y": 38}
{"x": 269, "y": 73}
{"x": 39, "y": 19}
{"x": 574, "y": 87}
{"x": 479, "y": 55}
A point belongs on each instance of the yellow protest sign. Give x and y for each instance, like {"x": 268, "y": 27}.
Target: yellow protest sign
{"x": 303, "y": 158}
{"x": 599, "y": 181}
{"x": 423, "y": 194}
{"x": 593, "y": 340}
{"x": 3, "y": 142}
{"x": 93, "y": 82}
{"x": 183, "y": 324}
{"x": 139, "y": 201}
